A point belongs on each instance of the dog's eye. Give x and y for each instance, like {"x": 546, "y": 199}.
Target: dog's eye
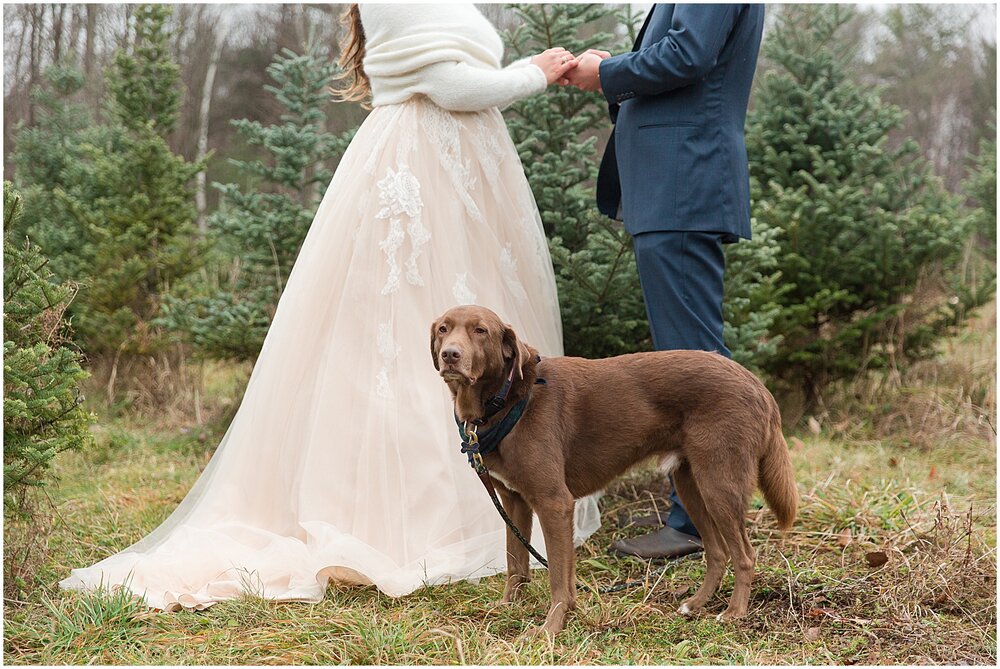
{"x": 480, "y": 330}
{"x": 443, "y": 329}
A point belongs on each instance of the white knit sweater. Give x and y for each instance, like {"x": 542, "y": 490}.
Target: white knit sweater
{"x": 448, "y": 52}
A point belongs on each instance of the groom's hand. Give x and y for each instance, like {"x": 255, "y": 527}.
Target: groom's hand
{"x": 586, "y": 75}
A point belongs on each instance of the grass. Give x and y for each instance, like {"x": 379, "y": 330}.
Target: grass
{"x": 815, "y": 599}
{"x": 925, "y": 506}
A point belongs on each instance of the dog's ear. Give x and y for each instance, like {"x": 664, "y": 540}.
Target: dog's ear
{"x": 514, "y": 349}
{"x": 434, "y": 345}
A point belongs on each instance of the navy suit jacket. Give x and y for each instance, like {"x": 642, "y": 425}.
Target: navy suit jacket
{"x": 677, "y": 160}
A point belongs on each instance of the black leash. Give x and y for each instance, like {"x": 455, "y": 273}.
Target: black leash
{"x": 484, "y": 476}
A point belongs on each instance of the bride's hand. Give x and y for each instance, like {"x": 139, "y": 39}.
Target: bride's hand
{"x": 555, "y": 63}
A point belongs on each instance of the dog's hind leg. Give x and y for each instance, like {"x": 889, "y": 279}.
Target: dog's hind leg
{"x": 726, "y": 502}
{"x": 518, "y": 573}
{"x": 716, "y": 554}
{"x": 743, "y": 563}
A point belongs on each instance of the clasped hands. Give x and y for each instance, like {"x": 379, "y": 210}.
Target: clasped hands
{"x": 563, "y": 68}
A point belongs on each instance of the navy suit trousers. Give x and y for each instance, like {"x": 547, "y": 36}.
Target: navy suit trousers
{"x": 682, "y": 283}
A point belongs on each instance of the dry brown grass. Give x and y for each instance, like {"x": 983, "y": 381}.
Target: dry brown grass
{"x": 24, "y": 546}
{"x": 932, "y": 402}
{"x": 163, "y": 393}
{"x": 886, "y": 563}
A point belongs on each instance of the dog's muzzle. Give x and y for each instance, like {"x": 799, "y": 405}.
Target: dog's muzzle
{"x": 452, "y": 373}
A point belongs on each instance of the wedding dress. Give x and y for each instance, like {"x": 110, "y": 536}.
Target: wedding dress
{"x": 343, "y": 460}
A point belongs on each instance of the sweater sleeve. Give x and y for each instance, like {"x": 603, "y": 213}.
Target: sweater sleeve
{"x": 689, "y": 50}
{"x": 458, "y": 86}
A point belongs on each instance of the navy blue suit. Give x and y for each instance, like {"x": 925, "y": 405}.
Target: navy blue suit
{"x": 677, "y": 159}
{"x": 675, "y": 169}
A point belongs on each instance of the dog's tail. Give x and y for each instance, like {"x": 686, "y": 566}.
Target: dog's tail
{"x": 777, "y": 479}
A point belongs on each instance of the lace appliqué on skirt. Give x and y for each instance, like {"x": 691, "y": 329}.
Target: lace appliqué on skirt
{"x": 461, "y": 291}
{"x": 389, "y": 350}
{"x": 399, "y": 195}
{"x": 508, "y": 268}
{"x": 443, "y": 130}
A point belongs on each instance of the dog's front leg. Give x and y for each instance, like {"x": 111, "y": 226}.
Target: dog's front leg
{"x": 518, "y": 573}
{"x": 555, "y": 514}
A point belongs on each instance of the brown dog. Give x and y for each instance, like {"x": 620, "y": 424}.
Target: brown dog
{"x": 706, "y": 416}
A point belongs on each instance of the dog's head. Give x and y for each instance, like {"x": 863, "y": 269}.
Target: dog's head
{"x": 469, "y": 343}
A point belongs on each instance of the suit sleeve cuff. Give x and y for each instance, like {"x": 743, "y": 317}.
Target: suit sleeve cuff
{"x": 609, "y": 72}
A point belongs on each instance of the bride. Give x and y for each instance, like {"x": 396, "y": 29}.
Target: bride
{"x": 342, "y": 462}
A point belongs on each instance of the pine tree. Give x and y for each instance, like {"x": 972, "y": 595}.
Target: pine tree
{"x": 553, "y": 132}
{"x": 43, "y": 152}
{"x": 599, "y": 296}
{"x": 750, "y": 302}
{"x": 145, "y": 89}
{"x": 258, "y": 230}
{"x": 981, "y": 187}
{"x": 600, "y": 299}
{"x": 131, "y": 197}
{"x": 42, "y": 408}
{"x": 975, "y": 282}
{"x": 127, "y": 201}
{"x": 860, "y": 223}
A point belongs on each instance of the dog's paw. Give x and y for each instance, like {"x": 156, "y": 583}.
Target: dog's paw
{"x": 730, "y": 615}
{"x": 511, "y": 595}
{"x": 514, "y": 592}
{"x": 554, "y": 623}
{"x": 688, "y": 608}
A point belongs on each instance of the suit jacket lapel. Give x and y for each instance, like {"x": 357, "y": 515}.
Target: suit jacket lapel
{"x": 642, "y": 30}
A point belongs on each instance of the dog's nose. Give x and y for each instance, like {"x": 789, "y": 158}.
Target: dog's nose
{"x": 450, "y": 355}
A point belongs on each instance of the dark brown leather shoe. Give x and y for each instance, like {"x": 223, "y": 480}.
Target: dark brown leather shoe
{"x": 663, "y": 544}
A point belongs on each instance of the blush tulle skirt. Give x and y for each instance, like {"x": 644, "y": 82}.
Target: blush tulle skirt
{"x": 342, "y": 463}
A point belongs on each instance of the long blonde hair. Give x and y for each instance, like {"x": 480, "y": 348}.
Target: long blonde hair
{"x": 356, "y": 86}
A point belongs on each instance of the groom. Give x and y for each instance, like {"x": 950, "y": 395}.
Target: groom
{"x": 675, "y": 171}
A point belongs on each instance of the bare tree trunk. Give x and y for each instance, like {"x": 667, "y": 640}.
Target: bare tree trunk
{"x": 58, "y": 14}
{"x": 303, "y": 25}
{"x": 94, "y": 15}
{"x": 182, "y": 16}
{"x": 20, "y": 51}
{"x": 201, "y": 200}
{"x": 74, "y": 33}
{"x": 34, "y": 56}
{"x": 128, "y": 42}
{"x": 16, "y": 95}
{"x": 88, "y": 52}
